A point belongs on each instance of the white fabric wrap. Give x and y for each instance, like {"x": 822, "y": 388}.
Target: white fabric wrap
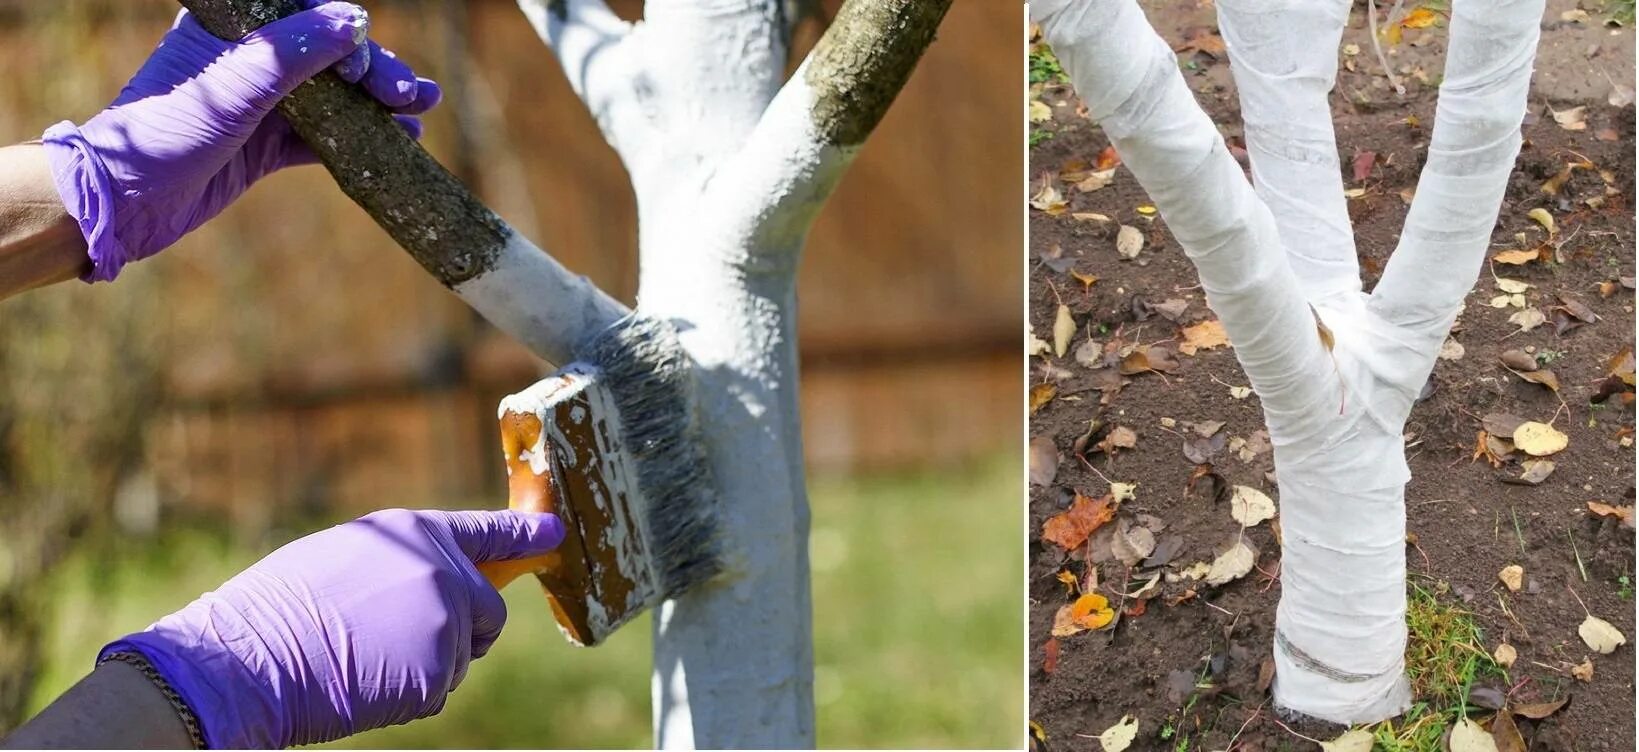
{"x": 1335, "y": 417}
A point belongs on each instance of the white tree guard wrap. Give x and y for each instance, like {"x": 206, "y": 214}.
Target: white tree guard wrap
{"x": 1335, "y": 415}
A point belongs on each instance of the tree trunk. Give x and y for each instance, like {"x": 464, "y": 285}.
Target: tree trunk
{"x": 1275, "y": 262}
{"x": 729, "y": 166}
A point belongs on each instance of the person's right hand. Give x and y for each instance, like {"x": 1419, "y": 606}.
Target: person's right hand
{"x": 196, "y": 126}
{"x": 364, "y": 625}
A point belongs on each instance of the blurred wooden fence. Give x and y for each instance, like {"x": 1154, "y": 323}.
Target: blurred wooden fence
{"x": 308, "y": 363}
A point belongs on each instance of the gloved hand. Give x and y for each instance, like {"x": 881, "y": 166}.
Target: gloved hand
{"x": 364, "y": 625}
{"x": 195, "y": 127}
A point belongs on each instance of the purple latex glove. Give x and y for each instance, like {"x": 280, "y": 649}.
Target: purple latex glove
{"x": 195, "y": 127}
{"x": 364, "y": 625}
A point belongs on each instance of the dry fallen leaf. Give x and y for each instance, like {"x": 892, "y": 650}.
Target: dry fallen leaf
{"x": 1513, "y": 576}
{"x": 1120, "y": 736}
{"x": 1069, "y": 529}
{"x": 1543, "y": 218}
{"x": 1048, "y": 199}
{"x": 1600, "y": 635}
{"x": 1041, "y": 394}
{"x": 1050, "y": 658}
{"x": 1064, "y": 328}
{"x": 1107, "y": 159}
{"x": 1574, "y": 119}
{"x": 1086, "y": 280}
{"x": 1095, "y": 181}
{"x": 1505, "y": 655}
{"x": 1512, "y": 286}
{"x": 1517, "y": 256}
{"x": 1505, "y": 734}
{"x": 1044, "y": 460}
{"x": 1040, "y": 112}
{"x": 1249, "y": 506}
{"x": 1542, "y": 376}
{"x": 1356, "y": 740}
{"x": 1625, "y": 514}
{"x": 1090, "y": 611}
{"x": 1467, "y": 736}
{"x": 1129, "y": 241}
{"x": 1519, "y": 360}
{"x": 1203, "y": 336}
{"x": 1584, "y": 670}
{"x": 1131, "y": 543}
{"x": 1537, "y": 711}
{"x": 1536, "y": 470}
{"x": 1539, "y": 439}
{"x": 1069, "y": 580}
{"x": 1527, "y": 319}
{"x": 1240, "y": 392}
{"x": 1452, "y": 350}
{"x": 1233, "y": 564}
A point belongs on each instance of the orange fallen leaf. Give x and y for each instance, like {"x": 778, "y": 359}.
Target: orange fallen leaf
{"x": 1070, "y": 529}
{"x": 1625, "y": 514}
{"x": 1419, "y": 18}
{"x": 1041, "y": 394}
{"x": 1092, "y": 611}
{"x": 1068, "y": 579}
{"x": 1086, "y": 280}
{"x": 1203, "y": 336}
{"x": 1106, "y": 159}
{"x": 1137, "y": 608}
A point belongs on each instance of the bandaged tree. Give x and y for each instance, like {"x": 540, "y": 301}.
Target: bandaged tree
{"x": 730, "y": 162}
{"x": 1337, "y": 369}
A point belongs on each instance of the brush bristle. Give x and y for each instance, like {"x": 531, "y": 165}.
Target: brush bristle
{"x": 651, "y": 381}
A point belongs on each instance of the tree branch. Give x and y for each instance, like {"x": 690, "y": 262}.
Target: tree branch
{"x": 422, "y": 206}
{"x": 810, "y": 133}
{"x": 1128, "y": 78}
{"x": 1284, "y": 59}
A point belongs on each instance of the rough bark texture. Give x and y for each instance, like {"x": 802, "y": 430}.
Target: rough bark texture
{"x": 863, "y": 61}
{"x": 418, "y": 202}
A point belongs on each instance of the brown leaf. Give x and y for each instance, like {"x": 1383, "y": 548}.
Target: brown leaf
{"x": 1536, "y": 471}
{"x": 1266, "y": 675}
{"x": 1363, "y": 163}
{"x": 1506, "y": 735}
{"x": 1070, "y": 529}
{"x": 1144, "y": 358}
{"x": 1202, "y": 451}
{"x": 1120, "y": 437}
{"x": 1519, "y": 360}
{"x": 1203, "y": 41}
{"x": 1542, "y": 376}
{"x": 1040, "y": 395}
{"x": 1095, "y": 433}
{"x": 1537, "y": 711}
{"x": 1050, "y": 663}
{"x": 1501, "y": 424}
{"x": 1621, "y": 366}
{"x": 1044, "y": 460}
{"x": 1625, "y": 514}
{"x": 1171, "y": 309}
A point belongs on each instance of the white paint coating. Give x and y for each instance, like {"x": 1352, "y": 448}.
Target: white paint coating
{"x": 535, "y": 300}
{"x": 728, "y": 177}
{"x": 1335, "y": 418}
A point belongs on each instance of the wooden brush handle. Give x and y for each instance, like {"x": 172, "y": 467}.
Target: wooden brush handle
{"x": 502, "y": 573}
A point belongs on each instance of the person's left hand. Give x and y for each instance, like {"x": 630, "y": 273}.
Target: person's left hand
{"x": 196, "y": 126}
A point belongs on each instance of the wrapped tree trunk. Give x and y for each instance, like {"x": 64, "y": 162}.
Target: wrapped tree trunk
{"x": 1337, "y": 370}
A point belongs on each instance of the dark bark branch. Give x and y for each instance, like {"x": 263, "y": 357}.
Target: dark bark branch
{"x": 863, "y": 61}
{"x": 418, "y": 202}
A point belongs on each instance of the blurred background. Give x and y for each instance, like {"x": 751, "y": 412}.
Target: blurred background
{"x": 287, "y": 367}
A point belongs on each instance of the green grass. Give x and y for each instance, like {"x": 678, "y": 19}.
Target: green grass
{"x": 917, "y": 631}
{"x": 1044, "y": 66}
{"x": 1445, "y": 656}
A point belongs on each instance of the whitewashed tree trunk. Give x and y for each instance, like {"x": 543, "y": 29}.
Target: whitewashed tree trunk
{"x": 730, "y": 165}
{"x": 1273, "y": 260}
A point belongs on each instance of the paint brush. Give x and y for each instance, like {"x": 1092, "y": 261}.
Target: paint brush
{"x": 610, "y": 444}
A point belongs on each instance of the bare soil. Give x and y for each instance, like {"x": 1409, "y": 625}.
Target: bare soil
{"x": 1461, "y": 512}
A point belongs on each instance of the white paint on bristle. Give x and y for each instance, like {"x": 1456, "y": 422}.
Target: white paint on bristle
{"x": 1335, "y": 417}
